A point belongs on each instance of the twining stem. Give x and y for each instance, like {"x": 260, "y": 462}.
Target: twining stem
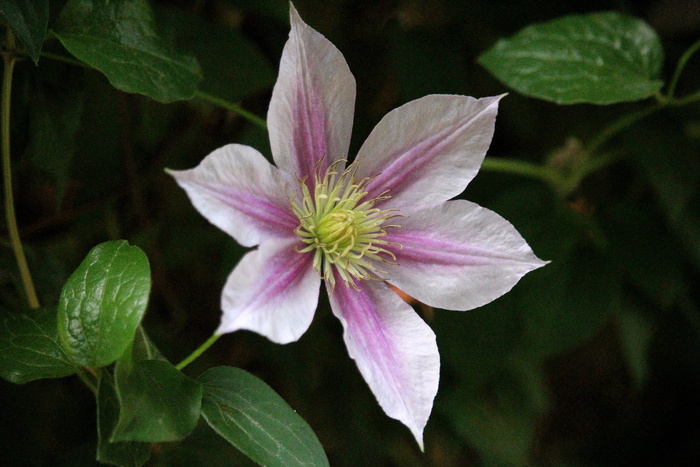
{"x": 10, "y": 217}
{"x": 200, "y": 350}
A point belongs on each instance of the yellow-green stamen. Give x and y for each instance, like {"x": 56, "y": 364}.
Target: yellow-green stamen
{"x": 342, "y": 229}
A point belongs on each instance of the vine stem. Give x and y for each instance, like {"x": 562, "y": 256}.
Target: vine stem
{"x": 25, "y": 275}
{"x": 200, "y": 350}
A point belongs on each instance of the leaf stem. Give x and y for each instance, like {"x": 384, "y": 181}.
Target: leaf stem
{"x": 680, "y": 66}
{"x": 251, "y": 117}
{"x": 87, "y": 380}
{"x": 618, "y": 125}
{"x": 525, "y": 169}
{"x": 200, "y": 350}
{"x": 26, "y": 277}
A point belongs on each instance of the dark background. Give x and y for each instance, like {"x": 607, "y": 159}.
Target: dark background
{"x": 592, "y": 360}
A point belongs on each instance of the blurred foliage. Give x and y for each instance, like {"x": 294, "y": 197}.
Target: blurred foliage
{"x": 591, "y": 360}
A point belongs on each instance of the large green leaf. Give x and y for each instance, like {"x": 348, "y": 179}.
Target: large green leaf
{"x": 30, "y": 348}
{"x": 158, "y": 403}
{"x": 599, "y": 58}
{"x": 128, "y": 453}
{"x": 255, "y": 419}
{"x": 103, "y": 303}
{"x": 119, "y": 39}
{"x": 28, "y": 20}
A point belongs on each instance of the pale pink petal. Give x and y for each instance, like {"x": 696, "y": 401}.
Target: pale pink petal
{"x": 428, "y": 150}
{"x": 241, "y": 193}
{"x": 393, "y": 348}
{"x": 273, "y": 291}
{"x": 312, "y": 106}
{"x": 458, "y": 255}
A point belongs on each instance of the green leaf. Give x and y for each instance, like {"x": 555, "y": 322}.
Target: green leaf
{"x": 103, "y": 303}
{"x": 141, "y": 349}
{"x": 130, "y": 453}
{"x": 158, "y": 403}
{"x": 599, "y": 58}
{"x": 30, "y": 348}
{"x": 28, "y": 20}
{"x": 255, "y": 419}
{"x": 119, "y": 39}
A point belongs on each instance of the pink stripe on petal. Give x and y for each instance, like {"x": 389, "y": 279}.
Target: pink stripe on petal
{"x": 458, "y": 255}
{"x": 261, "y": 213}
{"x": 312, "y": 105}
{"x": 237, "y": 190}
{"x": 310, "y": 130}
{"x": 427, "y": 151}
{"x": 272, "y": 291}
{"x": 394, "y": 350}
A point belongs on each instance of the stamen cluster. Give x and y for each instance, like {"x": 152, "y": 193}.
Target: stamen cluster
{"x": 342, "y": 228}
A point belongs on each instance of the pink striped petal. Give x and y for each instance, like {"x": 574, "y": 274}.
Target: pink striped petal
{"x": 312, "y": 106}
{"x": 273, "y": 291}
{"x": 241, "y": 193}
{"x": 458, "y": 255}
{"x": 394, "y": 349}
{"x": 427, "y": 151}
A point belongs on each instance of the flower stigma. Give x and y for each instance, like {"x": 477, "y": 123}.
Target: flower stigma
{"x": 342, "y": 228}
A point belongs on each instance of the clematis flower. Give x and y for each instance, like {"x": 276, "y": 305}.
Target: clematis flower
{"x": 388, "y": 218}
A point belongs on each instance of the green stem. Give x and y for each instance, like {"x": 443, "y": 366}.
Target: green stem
{"x": 680, "y": 66}
{"x": 251, "y": 117}
{"x": 689, "y": 99}
{"x": 200, "y": 350}
{"x": 525, "y": 169}
{"x": 10, "y": 217}
{"x": 618, "y": 125}
{"x": 88, "y": 381}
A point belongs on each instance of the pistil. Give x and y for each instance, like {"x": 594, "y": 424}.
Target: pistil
{"x": 344, "y": 231}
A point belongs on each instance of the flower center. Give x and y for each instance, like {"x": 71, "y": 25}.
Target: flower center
{"x": 342, "y": 228}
